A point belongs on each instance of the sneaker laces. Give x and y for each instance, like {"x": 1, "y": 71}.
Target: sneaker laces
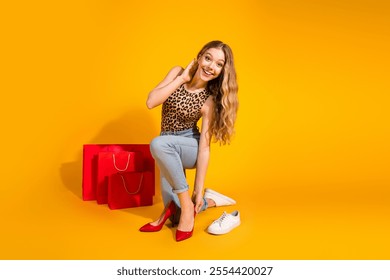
{"x": 220, "y": 220}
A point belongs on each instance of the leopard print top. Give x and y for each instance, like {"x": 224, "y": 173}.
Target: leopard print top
{"x": 181, "y": 110}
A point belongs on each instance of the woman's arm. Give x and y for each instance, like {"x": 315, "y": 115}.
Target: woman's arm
{"x": 165, "y": 88}
{"x": 203, "y": 153}
{"x": 174, "y": 79}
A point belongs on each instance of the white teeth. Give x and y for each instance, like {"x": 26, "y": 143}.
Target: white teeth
{"x": 208, "y": 73}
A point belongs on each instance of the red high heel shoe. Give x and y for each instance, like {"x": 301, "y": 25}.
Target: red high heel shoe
{"x": 183, "y": 235}
{"x": 170, "y": 210}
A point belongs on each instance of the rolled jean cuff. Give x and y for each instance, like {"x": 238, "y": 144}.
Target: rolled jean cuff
{"x": 180, "y": 190}
{"x": 205, "y": 204}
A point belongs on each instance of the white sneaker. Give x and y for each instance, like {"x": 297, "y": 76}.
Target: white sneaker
{"x": 219, "y": 199}
{"x": 225, "y": 223}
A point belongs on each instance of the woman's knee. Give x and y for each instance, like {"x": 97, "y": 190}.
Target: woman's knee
{"x": 158, "y": 145}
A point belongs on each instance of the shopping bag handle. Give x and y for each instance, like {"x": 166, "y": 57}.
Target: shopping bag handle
{"x": 139, "y": 186}
{"x": 127, "y": 164}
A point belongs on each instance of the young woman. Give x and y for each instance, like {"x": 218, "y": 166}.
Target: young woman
{"x": 206, "y": 88}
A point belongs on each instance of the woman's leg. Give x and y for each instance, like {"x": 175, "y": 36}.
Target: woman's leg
{"x": 173, "y": 154}
{"x": 168, "y": 195}
{"x": 187, "y": 217}
{"x": 167, "y": 191}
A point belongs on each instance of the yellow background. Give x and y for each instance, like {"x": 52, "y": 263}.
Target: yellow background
{"x": 309, "y": 166}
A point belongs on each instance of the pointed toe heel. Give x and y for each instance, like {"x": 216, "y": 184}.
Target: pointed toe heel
{"x": 183, "y": 235}
{"x": 170, "y": 211}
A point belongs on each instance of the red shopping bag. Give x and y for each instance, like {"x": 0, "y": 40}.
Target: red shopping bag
{"x": 113, "y": 162}
{"x": 130, "y": 189}
{"x": 90, "y": 163}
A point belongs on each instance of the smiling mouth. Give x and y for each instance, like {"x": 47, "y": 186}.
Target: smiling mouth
{"x": 207, "y": 73}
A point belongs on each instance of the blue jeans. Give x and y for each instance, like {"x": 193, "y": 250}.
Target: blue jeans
{"x": 175, "y": 152}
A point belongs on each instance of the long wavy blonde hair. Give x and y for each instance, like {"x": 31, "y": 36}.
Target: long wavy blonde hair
{"x": 224, "y": 90}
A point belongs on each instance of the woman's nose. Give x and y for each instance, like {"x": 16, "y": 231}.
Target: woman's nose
{"x": 211, "y": 64}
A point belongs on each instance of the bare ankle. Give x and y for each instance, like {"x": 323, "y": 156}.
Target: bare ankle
{"x": 210, "y": 203}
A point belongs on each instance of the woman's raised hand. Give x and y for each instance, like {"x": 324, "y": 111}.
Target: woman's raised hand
{"x": 190, "y": 70}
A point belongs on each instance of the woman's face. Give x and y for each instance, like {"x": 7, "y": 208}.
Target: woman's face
{"x": 211, "y": 64}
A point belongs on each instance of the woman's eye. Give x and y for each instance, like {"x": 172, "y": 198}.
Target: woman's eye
{"x": 207, "y": 58}
{"x": 220, "y": 65}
